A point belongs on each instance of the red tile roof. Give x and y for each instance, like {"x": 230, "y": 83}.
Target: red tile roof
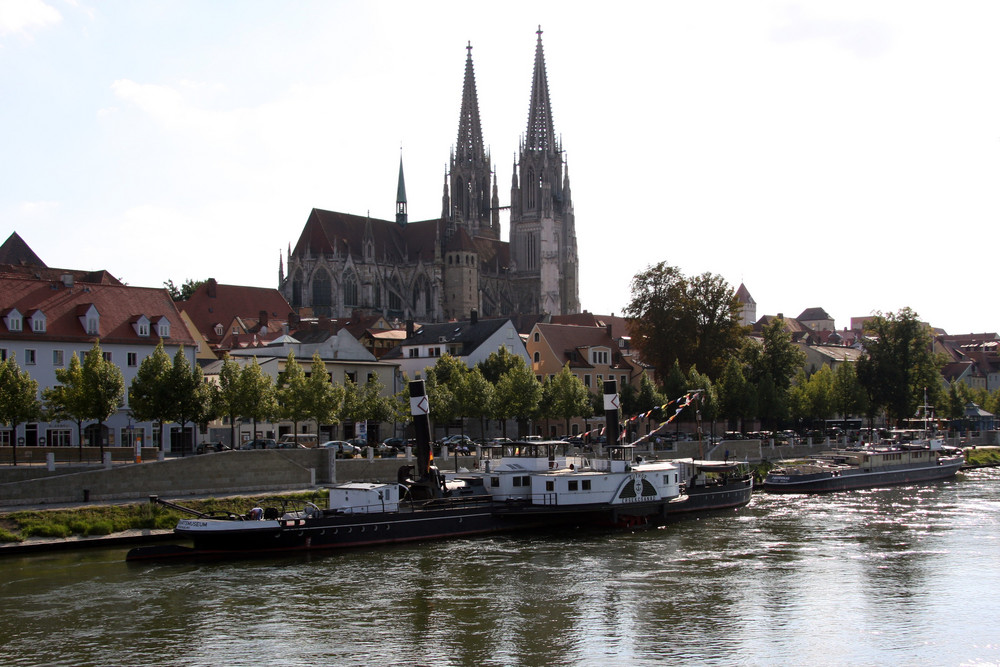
{"x": 213, "y": 303}
{"x": 63, "y": 306}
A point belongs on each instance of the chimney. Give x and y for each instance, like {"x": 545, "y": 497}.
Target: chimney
{"x": 610, "y": 334}
{"x": 293, "y": 321}
{"x": 212, "y": 288}
{"x": 475, "y": 316}
{"x": 409, "y": 328}
{"x": 67, "y": 279}
{"x": 262, "y": 320}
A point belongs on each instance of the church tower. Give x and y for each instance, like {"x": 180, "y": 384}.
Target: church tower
{"x": 470, "y": 205}
{"x": 542, "y": 228}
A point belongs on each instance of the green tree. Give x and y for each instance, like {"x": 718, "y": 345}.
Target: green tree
{"x": 477, "y": 398}
{"x": 848, "y": 395}
{"x": 570, "y": 398}
{"x": 445, "y": 387}
{"x": 771, "y": 365}
{"x": 676, "y": 384}
{"x": 151, "y": 398}
{"x": 517, "y": 395}
{"x": 692, "y": 321}
{"x": 498, "y": 363}
{"x": 184, "y": 292}
{"x": 364, "y": 403}
{"x": 898, "y": 365}
{"x": 230, "y": 395}
{"x": 191, "y": 396}
{"x": 104, "y": 386}
{"x": 736, "y": 397}
{"x": 707, "y": 403}
{"x": 325, "y": 397}
{"x": 68, "y": 399}
{"x": 261, "y": 402}
{"x": 293, "y": 393}
{"x": 18, "y": 399}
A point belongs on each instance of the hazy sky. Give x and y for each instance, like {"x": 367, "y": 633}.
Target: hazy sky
{"x": 843, "y": 155}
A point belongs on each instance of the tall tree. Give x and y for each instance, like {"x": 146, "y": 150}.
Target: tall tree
{"x": 231, "y": 400}
{"x": 325, "y": 397}
{"x": 570, "y": 398}
{"x": 848, "y": 395}
{"x": 18, "y": 399}
{"x": 104, "y": 386}
{"x": 692, "y": 321}
{"x": 68, "y": 399}
{"x": 151, "y": 397}
{"x": 899, "y": 365}
{"x": 476, "y": 398}
{"x": 771, "y": 365}
{"x": 261, "y": 403}
{"x": 293, "y": 393}
{"x": 736, "y": 397}
{"x": 517, "y": 395}
{"x": 191, "y": 397}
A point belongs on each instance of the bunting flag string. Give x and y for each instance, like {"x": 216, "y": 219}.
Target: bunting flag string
{"x": 681, "y": 402}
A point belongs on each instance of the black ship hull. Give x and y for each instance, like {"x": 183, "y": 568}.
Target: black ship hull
{"x": 847, "y": 480}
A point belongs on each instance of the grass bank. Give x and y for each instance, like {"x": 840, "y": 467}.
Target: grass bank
{"x": 983, "y": 456}
{"x": 108, "y": 519}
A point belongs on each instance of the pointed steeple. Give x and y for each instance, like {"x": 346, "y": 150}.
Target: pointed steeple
{"x": 469, "y": 148}
{"x": 540, "y": 135}
{"x": 401, "y": 195}
{"x": 470, "y": 165}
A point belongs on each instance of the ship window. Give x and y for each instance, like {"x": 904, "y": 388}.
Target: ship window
{"x": 586, "y": 485}
{"x": 550, "y": 486}
{"x": 494, "y": 482}
{"x": 573, "y": 485}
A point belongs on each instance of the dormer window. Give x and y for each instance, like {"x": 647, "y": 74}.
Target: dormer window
{"x": 37, "y": 320}
{"x": 163, "y": 327}
{"x": 600, "y": 357}
{"x": 219, "y": 330}
{"x": 89, "y": 318}
{"x": 13, "y": 320}
{"x": 141, "y": 326}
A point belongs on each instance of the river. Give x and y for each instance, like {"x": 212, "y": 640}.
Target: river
{"x": 900, "y": 576}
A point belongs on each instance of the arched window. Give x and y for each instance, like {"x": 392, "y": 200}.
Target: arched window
{"x": 531, "y": 185}
{"x": 322, "y": 296}
{"x": 297, "y": 290}
{"x": 350, "y": 290}
{"x": 538, "y": 357}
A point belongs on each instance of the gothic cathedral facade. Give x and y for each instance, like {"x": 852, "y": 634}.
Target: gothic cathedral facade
{"x": 442, "y": 269}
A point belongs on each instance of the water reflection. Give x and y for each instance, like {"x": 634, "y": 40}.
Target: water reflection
{"x": 858, "y": 578}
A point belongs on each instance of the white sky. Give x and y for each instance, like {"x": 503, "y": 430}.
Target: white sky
{"x": 842, "y": 155}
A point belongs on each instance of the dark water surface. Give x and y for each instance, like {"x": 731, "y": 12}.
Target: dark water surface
{"x": 901, "y": 576}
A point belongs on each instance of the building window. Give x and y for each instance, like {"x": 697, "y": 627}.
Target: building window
{"x": 352, "y": 377}
{"x": 106, "y": 355}
{"x": 3, "y": 354}
{"x": 59, "y": 437}
{"x": 92, "y": 326}
{"x": 586, "y": 379}
{"x": 57, "y": 358}
{"x": 550, "y": 485}
{"x": 6, "y": 435}
{"x": 538, "y": 357}
{"x": 133, "y": 359}
{"x": 29, "y": 357}
{"x": 536, "y": 336}
{"x": 414, "y": 352}
{"x": 219, "y": 330}
{"x": 14, "y": 323}
{"x": 164, "y": 329}
{"x": 38, "y": 324}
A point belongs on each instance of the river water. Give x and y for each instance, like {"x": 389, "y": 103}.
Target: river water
{"x": 900, "y": 576}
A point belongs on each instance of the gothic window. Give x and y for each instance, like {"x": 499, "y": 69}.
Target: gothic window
{"x": 350, "y": 290}
{"x": 297, "y": 290}
{"x": 378, "y": 295}
{"x": 321, "y": 292}
{"x": 531, "y": 185}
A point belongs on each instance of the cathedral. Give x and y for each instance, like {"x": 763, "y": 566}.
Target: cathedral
{"x": 443, "y": 269}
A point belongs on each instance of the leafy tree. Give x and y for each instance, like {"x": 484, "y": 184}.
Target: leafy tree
{"x": 104, "y": 387}
{"x": 569, "y": 397}
{"x": 517, "y": 394}
{"x": 499, "y": 362}
{"x": 771, "y": 365}
{"x": 676, "y": 384}
{"x": 230, "y": 395}
{"x": 293, "y": 393}
{"x": 151, "y": 397}
{"x": 184, "y": 292}
{"x": 445, "y": 386}
{"x": 364, "y": 403}
{"x": 898, "y": 365}
{"x": 68, "y": 399}
{"x": 736, "y": 401}
{"x": 257, "y": 389}
{"x": 18, "y": 399}
{"x": 477, "y": 397}
{"x": 325, "y": 397}
{"x": 848, "y": 395}
{"x": 692, "y": 321}
{"x": 708, "y": 398}
{"x": 191, "y": 396}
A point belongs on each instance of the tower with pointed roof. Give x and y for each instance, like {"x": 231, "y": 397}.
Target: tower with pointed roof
{"x": 470, "y": 204}
{"x": 542, "y": 228}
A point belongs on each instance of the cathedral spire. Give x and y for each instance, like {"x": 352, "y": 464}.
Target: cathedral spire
{"x": 540, "y": 135}
{"x": 401, "y": 194}
{"x": 470, "y": 132}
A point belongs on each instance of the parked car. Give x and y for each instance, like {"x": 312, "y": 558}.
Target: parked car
{"x": 344, "y": 449}
{"x": 207, "y": 447}
{"x": 304, "y": 439}
{"x": 260, "y": 443}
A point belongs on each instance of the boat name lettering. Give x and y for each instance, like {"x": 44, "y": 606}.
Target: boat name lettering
{"x": 191, "y": 523}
